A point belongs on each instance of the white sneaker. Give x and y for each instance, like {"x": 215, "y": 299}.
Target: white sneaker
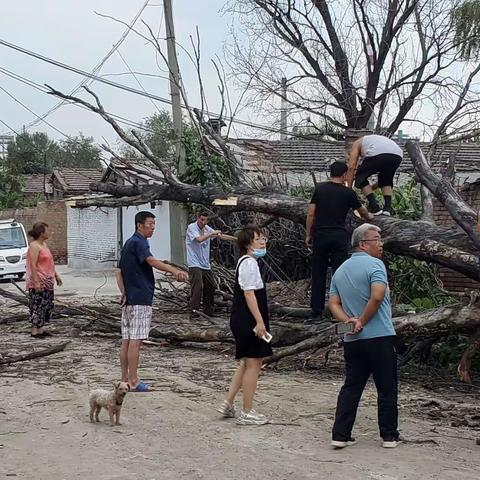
{"x": 342, "y": 444}
{"x": 251, "y": 418}
{"x": 391, "y": 443}
{"x": 227, "y": 410}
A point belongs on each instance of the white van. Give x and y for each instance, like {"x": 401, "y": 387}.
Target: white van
{"x": 13, "y": 249}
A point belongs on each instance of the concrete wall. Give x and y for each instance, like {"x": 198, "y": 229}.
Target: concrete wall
{"x": 160, "y": 242}
{"x": 92, "y": 238}
{"x": 55, "y": 215}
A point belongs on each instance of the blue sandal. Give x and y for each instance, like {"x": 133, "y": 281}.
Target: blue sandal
{"x": 141, "y": 387}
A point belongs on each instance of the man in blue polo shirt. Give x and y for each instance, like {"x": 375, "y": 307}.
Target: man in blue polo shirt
{"x": 136, "y": 282}
{"x": 359, "y": 294}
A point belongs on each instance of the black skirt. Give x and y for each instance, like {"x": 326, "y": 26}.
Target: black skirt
{"x": 242, "y": 323}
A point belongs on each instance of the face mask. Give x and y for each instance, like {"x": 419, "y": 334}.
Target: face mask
{"x": 259, "y": 252}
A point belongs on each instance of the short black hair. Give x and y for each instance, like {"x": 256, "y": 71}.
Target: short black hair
{"x": 337, "y": 169}
{"x": 140, "y": 217}
{"x": 202, "y": 213}
{"x": 246, "y": 236}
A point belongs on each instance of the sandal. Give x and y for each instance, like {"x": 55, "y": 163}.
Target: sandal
{"x": 37, "y": 335}
{"x": 141, "y": 387}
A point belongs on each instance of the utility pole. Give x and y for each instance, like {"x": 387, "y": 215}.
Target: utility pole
{"x": 178, "y": 216}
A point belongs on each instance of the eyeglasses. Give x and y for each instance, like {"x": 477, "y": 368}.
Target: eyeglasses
{"x": 378, "y": 240}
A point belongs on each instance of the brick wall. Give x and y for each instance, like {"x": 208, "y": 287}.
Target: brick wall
{"x": 92, "y": 238}
{"x": 51, "y": 212}
{"x": 454, "y": 281}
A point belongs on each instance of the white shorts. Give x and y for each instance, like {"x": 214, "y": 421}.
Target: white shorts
{"x": 136, "y": 320}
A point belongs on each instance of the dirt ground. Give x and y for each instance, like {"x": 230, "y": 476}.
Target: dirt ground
{"x": 175, "y": 433}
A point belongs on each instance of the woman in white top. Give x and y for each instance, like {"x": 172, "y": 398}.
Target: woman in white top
{"x": 249, "y": 313}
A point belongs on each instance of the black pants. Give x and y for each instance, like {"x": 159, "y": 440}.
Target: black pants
{"x": 330, "y": 247}
{"x": 202, "y": 287}
{"x": 376, "y": 356}
{"x": 385, "y": 164}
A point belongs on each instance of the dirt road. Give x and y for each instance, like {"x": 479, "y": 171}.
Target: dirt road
{"x": 175, "y": 433}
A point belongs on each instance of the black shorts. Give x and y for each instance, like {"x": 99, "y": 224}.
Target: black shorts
{"x": 385, "y": 164}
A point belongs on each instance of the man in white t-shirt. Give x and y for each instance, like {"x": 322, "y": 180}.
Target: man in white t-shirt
{"x": 202, "y": 284}
{"x": 380, "y": 155}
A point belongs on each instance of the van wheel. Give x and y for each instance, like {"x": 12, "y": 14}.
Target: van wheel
{"x": 20, "y": 275}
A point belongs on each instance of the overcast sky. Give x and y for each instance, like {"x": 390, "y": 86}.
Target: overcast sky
{"x": 71, "y": 32}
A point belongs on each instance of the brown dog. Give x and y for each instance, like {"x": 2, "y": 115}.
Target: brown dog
{"x": 111, "y": 401}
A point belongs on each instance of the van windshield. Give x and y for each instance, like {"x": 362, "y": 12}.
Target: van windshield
{"x": 12, "y": 238}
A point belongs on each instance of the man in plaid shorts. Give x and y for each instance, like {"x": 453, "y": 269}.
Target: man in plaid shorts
{"x": 136, "y": 282}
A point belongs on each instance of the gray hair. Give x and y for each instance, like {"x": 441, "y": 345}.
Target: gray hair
{"x": 360, "y": 233}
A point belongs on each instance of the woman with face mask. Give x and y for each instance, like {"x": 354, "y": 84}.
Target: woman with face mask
{"x": 249, "y": 313}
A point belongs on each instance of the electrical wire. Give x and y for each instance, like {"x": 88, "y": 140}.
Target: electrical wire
{"x": 96, "y": 69}
{"x": 126, "y": 88}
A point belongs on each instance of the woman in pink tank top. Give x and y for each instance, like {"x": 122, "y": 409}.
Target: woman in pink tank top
{"x": 40, "y": 280}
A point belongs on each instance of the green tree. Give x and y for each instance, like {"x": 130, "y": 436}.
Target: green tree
{"x": 78, "y": 152}
{"x": 32, "y": 152}
{"x": 467, "y": 28}
{"x": 11, "y": 182}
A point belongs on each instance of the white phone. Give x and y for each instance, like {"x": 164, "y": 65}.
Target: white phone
{"x": 267, "y": 337}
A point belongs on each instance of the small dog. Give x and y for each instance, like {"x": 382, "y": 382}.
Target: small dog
{"x": 111, "y": 401}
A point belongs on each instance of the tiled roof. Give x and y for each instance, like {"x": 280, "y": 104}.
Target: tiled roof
{"x": 76, "y": 180}
{"x": 296, "y": 156}
{"x": 34, "y": 183}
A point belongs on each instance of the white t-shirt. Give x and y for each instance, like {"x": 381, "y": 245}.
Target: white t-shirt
{"x": 373, "y": 145}
{"x": 249, "y": 277}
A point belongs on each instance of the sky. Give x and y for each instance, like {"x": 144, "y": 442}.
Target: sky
{"x": 73, "y": 33}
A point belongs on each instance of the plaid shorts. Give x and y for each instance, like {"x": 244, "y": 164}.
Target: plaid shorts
{"x": 136, "y": 320}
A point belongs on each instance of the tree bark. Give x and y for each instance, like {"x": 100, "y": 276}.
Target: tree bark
{"x": 33, "y": 355}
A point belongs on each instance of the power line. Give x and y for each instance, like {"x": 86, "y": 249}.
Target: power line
{"x": 97, "y": 68}
{"x": 130, "y": 89}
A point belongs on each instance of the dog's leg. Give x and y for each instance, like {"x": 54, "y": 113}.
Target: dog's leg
{"x": 92, "y": 409}
{"x": 110, "y": 413}
{"x": 118, "y": 417}
{"x": 97, "y": 413}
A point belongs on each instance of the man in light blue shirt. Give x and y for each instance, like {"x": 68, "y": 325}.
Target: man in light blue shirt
{"x": 359, "y": 295}
{"x": 202, "y": 284}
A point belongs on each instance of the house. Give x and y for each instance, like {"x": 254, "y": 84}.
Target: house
{"x": 68, "y": 182}
{"x": 96, "y": 235}
{"x": 36, "y": 186}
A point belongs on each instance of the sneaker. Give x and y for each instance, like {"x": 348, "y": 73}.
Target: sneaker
{"x": 388, "y": 212}
{"x": 390, "y": 442}
{"x": 376, "y": 210}
{"x": 227, "y": 410}
{"x": 251, "y": 418}
{"x": 343, "y": 444}
{"x": 313, "y": 319}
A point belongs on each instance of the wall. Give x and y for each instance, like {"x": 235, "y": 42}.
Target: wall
{"x": 454, "y": 281}
{"x": 51, "y": 212}
{"x": 92, "y": 238}
{"x": 160, "y": 242}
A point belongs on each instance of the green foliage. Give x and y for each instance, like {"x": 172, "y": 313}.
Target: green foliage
{"x": 467, "y": 28}
{"x": 78, "y": 152}
{"x": 413, "y": 282}
{"x": 32, "y": 152}
{"x": 11, "y": 183}
{"x": 302, "y": 191}
{"x": 203, "y": 170}
{"x": 37, "y": 153}
{"x": 448, "y": 353}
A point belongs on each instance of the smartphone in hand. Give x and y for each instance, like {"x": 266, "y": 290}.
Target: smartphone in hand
{"x": 341, "y": 328}
{"x": 267, "y": 337}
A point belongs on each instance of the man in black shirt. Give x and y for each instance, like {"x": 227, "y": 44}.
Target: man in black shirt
{"x": 326, "y": 215}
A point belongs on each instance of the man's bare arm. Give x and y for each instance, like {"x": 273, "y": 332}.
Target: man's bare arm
{"x": 364, "y": 213}
{"x": 336, "y": 309}
{"x": 206, "y": 236}
{"x": 377, "y": 294}
{"x": 309, "y": 225}
{"x": 353, "y": 161}
{"x": 180, "y": 275}
{"x": 228, "y": 238}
